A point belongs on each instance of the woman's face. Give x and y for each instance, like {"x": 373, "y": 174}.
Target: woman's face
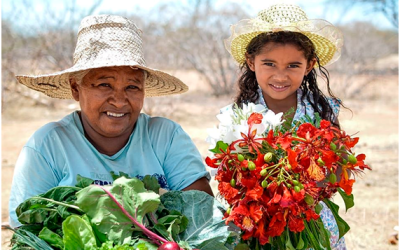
{"x": 111, "y": 99}
{"x": 279, "y": 70}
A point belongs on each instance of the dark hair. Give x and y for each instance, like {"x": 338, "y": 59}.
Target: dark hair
{"x": 248, "y": 85}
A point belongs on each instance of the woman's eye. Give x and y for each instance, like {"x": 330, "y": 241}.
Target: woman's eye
{"x": 104, "y": 85}
{"x": 132, "y": 87}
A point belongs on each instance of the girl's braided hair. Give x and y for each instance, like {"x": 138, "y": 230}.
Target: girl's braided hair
{"x": 248, "y": 85}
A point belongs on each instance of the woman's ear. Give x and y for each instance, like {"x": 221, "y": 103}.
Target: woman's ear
{"x": 250, "y": 62}
{"x": 74, "y": 88}
{"x": 311, "y": 65}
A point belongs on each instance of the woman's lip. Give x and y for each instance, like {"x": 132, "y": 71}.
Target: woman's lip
{"x": 278, "y": 88}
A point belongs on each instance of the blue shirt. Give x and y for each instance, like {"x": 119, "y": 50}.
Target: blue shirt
{"x": 59, "y": 151}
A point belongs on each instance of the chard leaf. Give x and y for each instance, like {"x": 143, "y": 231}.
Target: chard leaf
{"x": 83, "y": 182}
{"x": 78, "y": 234}
{"x": 52, "y": 238}
{"x": 206, "y": 229}
{"x": 111, "y": 218}
{"x": 151, "y": 183}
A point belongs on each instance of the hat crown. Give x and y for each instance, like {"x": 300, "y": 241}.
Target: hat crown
{"x": 282, "y": 14}
{"x": 108, "y": 39}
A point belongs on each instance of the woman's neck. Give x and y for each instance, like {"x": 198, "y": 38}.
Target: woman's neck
{"x": 105, "y": 145}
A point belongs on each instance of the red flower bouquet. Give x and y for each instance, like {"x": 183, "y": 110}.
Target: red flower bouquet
{"x": 274, "y": 177}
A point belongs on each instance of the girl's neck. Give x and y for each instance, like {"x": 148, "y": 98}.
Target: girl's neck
{"x": 278, "y": 106}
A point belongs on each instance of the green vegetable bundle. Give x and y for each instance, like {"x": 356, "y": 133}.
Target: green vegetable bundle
{"x": 130, "y": 214}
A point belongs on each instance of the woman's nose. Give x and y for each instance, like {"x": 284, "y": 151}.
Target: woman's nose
{"x": 118, "y": 97}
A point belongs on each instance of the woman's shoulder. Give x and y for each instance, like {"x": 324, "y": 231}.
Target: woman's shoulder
{"x": 157, "y": 122}
{"x": 51, "y": 131}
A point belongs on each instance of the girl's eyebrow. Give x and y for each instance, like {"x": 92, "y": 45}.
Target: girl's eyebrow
{"x": 270, "y": 60}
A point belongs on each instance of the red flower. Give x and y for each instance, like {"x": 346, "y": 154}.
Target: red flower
{"x": 276, "y": 225}
{"x": 296, "y": 224}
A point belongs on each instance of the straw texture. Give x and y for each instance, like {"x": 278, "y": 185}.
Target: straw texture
{"x": 327, "y": 39}
{"x": 105, "y": 41}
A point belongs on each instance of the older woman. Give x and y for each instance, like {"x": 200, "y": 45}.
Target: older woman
{"x": 110, "y": 80}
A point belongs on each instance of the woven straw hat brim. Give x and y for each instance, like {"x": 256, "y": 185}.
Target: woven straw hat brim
{"x": 326, "y": 38}
{"x": 57, "y": 85}
{"x": 105, "y": 41}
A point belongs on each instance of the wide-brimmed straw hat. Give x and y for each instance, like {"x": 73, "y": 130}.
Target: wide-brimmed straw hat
{"x": 327, "y": 39}
{"x": 105, "y": 41}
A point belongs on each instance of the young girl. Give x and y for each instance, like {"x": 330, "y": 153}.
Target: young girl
{"x": 279, "y": 52}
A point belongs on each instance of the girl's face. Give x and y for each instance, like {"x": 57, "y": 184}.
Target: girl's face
{"x": 279, "y": 70}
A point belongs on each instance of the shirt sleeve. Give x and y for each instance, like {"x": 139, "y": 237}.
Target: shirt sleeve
{"x": 183, "y": 164}
{"x": 33, "y": 175}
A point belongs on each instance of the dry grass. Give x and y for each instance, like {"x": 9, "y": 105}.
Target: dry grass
{"x": 374, "y": 118}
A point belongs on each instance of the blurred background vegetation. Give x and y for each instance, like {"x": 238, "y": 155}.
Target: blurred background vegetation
{"x": 39, "y": 37}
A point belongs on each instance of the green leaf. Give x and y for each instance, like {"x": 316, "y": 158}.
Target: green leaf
{"x": 151, "y": 183}
{"x": 144, "y": 245}
{"x": 220, "y": 145}
{"x": 242, "y": 246}
{"x": 324, "y": 234}
{"x": 300, "y": 242}
{"x": 288, "y": 243}
{"x": 26, "y": 238}
{"x": 52, "y": 238}
{"x": 83, "y": 182}
{"x": 342, "y": 225}
{"x": 206, "y": 227}
{"x": 348, "y": 199}
{"x": 107, "y": 217}
{"x": 78, "y": 234}
{"x": 121, "y": 174}
{"x": 318, "y": 208}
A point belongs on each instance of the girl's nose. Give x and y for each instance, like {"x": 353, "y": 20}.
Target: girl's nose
{"x": 280, "y": 75}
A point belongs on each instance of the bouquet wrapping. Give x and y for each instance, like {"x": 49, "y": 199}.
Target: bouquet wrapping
{"x": 276, "y": 176}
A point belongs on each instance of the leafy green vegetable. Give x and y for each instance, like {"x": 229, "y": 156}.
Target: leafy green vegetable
{"x": 78, "y": 234}
{"x": 29, "y": 239}
{"x": 111, "y": 219}
{"x": 52, "y": 238}
{"x": 206, "y": 229}
{"x": 127, "y": 215}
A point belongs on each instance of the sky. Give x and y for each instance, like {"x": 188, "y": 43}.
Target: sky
{"x": 314, "y": 9}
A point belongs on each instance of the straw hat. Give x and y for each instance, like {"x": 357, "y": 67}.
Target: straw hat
{"x": 105, "y": 41}
{"x": 326, "y": 38}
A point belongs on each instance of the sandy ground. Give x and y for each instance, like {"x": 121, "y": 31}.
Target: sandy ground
{"x": 374, "y": 118}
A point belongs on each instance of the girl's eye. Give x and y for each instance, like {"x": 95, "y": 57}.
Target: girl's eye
{"x": 269, "y": 64}
{"x": 293, "y": 66}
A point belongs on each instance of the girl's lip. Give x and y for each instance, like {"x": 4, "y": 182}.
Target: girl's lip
{"x": 278, "y": 88}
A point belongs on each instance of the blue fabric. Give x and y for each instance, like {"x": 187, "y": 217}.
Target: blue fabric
{"x": 59, "y": 151}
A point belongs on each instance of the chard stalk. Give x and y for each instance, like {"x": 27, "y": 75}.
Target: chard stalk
{"x": 59, "y": 203}
{"x": 154, "y": 237}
